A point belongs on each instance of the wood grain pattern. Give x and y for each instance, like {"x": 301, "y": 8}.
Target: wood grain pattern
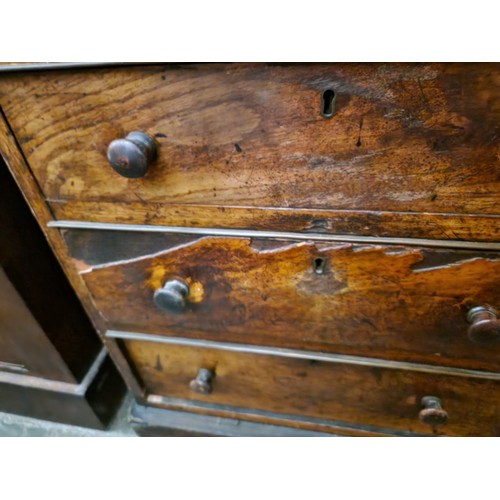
{"x": 483, "y": 228}
{"x": 388, "y": 302}
{"x": 21, "y": 173}
{"x": 367, "y": 396}
{"x": 405, "y": 137}
{"x": 412, "y": 151}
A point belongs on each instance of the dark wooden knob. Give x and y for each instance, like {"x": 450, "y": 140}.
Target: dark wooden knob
{"x": 202, "y": 384}
{"x": 485, "y": 326}
{"x": 432, "y": 412}
{"x": 172, "y": 297}
{"x": 131, "y": 157}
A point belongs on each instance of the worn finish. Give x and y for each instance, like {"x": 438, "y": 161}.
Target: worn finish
{"x": 37, "y": 277}
{"x": 52, "y": 364}
{"x": 480, "y": 228}
{"x": 275, "y": 235}
{"x": 296, "y": 422}
{"x": 485, "y": 325}
{"x": 172, "y": 296}
{"x": 202, "y": 383}
{"x": 131, "y": 157}
{"x": 432, "y": 413}
{"x": 386, "y": 330}
{"x": 422, "y": 136}
{"x": 20, "y": 172}
{"x": 153, "y": 422}
{"x": 302, "y": 354}
{"x": 270, "y": 418}
{"x": 367, "y": 396}
{"x": 388, "y": 302}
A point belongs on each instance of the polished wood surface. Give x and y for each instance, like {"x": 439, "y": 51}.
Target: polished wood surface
{"x": 421, "y": 136}
{"x": 373, "y": 300}
{"x": 371, "y": 396}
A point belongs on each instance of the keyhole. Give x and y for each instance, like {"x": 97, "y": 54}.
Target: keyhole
{"x": 328, "y": 103}
{"x": 319, "y": 265}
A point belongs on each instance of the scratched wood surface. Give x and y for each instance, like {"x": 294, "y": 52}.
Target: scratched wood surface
{"x": 480, "y": 228}
{"x": 404, "y": 137}
{"x": 364, "y": 395}
{"x": 388, "y": 302}
{"x": 16, "y": 219}
{"x": 260, "y": 416}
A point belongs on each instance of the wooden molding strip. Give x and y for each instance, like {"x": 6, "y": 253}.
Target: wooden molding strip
{"x": 299, "y": 354}
{"x": 244, "y": 233}
{"x": 56, "y": 385}
{"x": 211, "y": 425}
{"x": 46, "y": 66}
{"x": 161, "y": 407}
{"x": 14, "y": 367}
{"x": 417, "y": 225}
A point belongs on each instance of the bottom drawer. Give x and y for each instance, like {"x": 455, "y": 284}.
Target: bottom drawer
{"x": 330, "y": 390}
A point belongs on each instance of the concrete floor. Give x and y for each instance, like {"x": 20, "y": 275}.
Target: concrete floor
{"x": 18, "y": 426}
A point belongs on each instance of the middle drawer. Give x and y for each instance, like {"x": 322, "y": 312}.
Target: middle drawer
{"x": 392, "y": 302}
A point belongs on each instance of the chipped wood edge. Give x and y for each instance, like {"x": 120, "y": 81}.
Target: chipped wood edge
{"x": 417, "y": 225}
{"x": 246, "y": 233}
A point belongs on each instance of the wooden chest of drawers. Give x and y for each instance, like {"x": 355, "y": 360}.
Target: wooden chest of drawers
{"x": 312, "y": 246}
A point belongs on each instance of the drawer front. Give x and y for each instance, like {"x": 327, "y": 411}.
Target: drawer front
{"x": 371, "y": 396}
{"x": 422, "y": 136}
{"x": 401, "y": 303}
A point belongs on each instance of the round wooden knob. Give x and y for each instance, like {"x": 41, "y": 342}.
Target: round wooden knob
{"x": 485, "y": 326}
{"x": 172, "y": 297}
{"x": 202, "y": 384}
{"x": 131, "y": 157}
{"x": 432, "y": 412}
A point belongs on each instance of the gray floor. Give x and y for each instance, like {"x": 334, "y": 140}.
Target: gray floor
{"x": 18, "y": 426}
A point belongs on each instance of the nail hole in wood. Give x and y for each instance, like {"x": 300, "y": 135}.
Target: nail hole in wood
{"x": 328, "y": 103}
{"x": 319, "y": 265}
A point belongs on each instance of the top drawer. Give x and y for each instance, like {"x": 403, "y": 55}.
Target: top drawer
{"x": 421, "y": 136}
